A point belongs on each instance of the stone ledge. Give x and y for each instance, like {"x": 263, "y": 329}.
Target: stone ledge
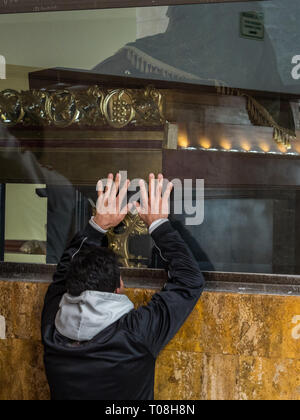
{"x": 249, "y": 283}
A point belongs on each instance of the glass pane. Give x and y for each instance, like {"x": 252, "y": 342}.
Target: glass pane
{"x": 211, "y": 92}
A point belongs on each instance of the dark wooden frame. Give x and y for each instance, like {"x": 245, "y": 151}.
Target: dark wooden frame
{"x": 29, "y": 6}
{"x": 235, "y": 170}
{"x": 2, "y": 221}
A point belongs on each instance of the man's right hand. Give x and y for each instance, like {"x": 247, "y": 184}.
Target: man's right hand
{"x": 110, "y": 212}
{"x": 155, "y": 204}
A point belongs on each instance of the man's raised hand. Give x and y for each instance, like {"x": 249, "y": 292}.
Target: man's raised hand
{"x": 111, "y": 204}
{"x": 155, "y": 204}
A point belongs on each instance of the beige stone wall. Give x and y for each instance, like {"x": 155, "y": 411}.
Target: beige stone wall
{"x": 233, "y": 346}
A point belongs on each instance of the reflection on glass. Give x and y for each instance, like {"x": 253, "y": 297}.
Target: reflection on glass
{"x": 240, "y": 44}
{"x": 223, "y": 106}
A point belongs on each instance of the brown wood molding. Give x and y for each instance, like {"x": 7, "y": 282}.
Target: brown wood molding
{"x": 13, "y": 246}
{"x": 25, "y": 6}
{"x": 88, "y": 144}
{"x": 32, "y": 138}
{"x": 233, "y": 170}
{"x": 54, "y": 77}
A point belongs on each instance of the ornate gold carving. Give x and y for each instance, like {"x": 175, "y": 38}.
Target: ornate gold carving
{"x": 144, "y": 110}
{"x": 34, "y": 102}
{"x": 61, "y": 108}
{"x": 92, "y": 106}
{"x": 118, "y": 108}
{"x": 89, "y": 102}
{"x": 11, "y": 108}
{"x": 34, "y": 248}
{"x": 119, "y": 242}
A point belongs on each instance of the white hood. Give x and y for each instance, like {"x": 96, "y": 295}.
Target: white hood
{"x": 81, "y": 318}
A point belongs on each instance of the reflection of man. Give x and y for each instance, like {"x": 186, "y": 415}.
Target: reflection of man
{"x": 59, "y": 192}
{"x": 97, "y": 347}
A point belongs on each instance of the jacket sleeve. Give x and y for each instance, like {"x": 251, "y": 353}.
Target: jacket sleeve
{"x": 57, "y": 289}
{"x": 160, "y": 320}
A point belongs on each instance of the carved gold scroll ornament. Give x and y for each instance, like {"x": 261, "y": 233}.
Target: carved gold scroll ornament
{"x": 92, "y": 106}
{"x": 118, "y": 242}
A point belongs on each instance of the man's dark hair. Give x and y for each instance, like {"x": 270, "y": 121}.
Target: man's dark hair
{"x": 95, "y": 269}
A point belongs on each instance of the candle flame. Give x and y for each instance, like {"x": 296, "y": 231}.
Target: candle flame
{"x": 246, "y": 145}
{"x": 205, "y": 143}
{"x": 225, "y": 144}
{"x": 265, "y": 147}
{"x": 282, "y": 148}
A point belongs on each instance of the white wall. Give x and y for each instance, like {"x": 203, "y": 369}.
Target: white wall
{"x": 78, "y": 39}
{"x": 151, "y": 21}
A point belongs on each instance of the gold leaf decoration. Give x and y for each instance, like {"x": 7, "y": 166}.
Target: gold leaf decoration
{"x": 92, "y": 106}
{"x": 119, "y": 242}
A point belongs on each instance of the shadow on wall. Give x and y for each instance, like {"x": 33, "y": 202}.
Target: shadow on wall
{"x": 59, "y": 191}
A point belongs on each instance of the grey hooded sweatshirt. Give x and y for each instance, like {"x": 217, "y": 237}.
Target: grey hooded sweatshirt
{"x": 81, "y": 318}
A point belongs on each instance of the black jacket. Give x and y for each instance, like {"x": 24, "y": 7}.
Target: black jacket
{"x": 119, "y": 363}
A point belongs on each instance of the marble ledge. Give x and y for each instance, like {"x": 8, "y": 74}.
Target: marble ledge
{"x": 243, "y": 283}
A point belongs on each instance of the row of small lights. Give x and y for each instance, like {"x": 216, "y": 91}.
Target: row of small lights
{"x": 226, "y": 146}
